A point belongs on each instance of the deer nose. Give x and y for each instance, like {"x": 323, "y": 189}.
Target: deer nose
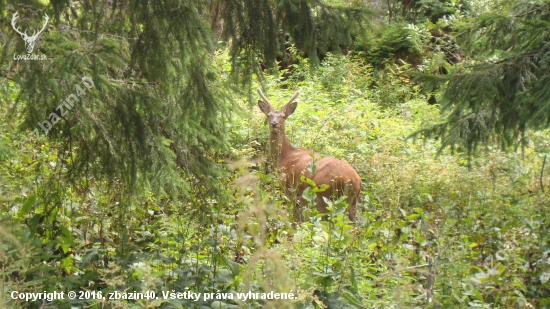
{"x": 274, "y": 124}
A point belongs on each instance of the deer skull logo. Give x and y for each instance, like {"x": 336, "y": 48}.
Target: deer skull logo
{"x": 29, "y": 40}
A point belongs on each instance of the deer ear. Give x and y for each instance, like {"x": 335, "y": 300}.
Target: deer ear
{"x": 289, "y": 108}
{"x": 266, "y": 108}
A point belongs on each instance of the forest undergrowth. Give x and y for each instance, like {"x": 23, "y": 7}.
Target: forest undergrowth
{"x": 435, "y": 228}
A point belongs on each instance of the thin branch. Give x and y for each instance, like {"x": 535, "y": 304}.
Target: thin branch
{"x": 132, "y": 82}
{"x": 541, "y": 172}
{"x": 532, "y": 11}
{"x": 65, "y": 27}
{"x": 409, "y": 268}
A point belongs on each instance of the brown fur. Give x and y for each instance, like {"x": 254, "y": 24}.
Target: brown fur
{"x": 293, "y": 162}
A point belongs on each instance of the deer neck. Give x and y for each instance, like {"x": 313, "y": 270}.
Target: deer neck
{"x": 279, "y": 146}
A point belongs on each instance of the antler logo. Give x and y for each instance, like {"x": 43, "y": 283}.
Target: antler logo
{"x": 29, "y": 40}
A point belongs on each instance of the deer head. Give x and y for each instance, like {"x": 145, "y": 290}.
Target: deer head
{"x": 276, "y": 118}
{"x": 29, "y": 40}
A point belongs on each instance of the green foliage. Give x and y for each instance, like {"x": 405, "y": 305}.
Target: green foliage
{"x": 397, "y": 40}
{"x": 142, "y": 63}
{"x": 500, "y": 93}
{"x": 417, "y": 11}
{"x": 196, "y": 208}
{"x": 261, "y": 31}
{"x": 433, "y": 229}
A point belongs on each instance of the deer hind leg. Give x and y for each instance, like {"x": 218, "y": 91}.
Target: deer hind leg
{"x": 352, "y": 197}
{"x": 347, "y": 189}
{"x": 352, "y": 206}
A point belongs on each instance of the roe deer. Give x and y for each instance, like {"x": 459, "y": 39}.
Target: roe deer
{"x": 293, "y": 162}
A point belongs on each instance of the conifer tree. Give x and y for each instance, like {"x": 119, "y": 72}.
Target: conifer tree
{"x": 501, "y": 91}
